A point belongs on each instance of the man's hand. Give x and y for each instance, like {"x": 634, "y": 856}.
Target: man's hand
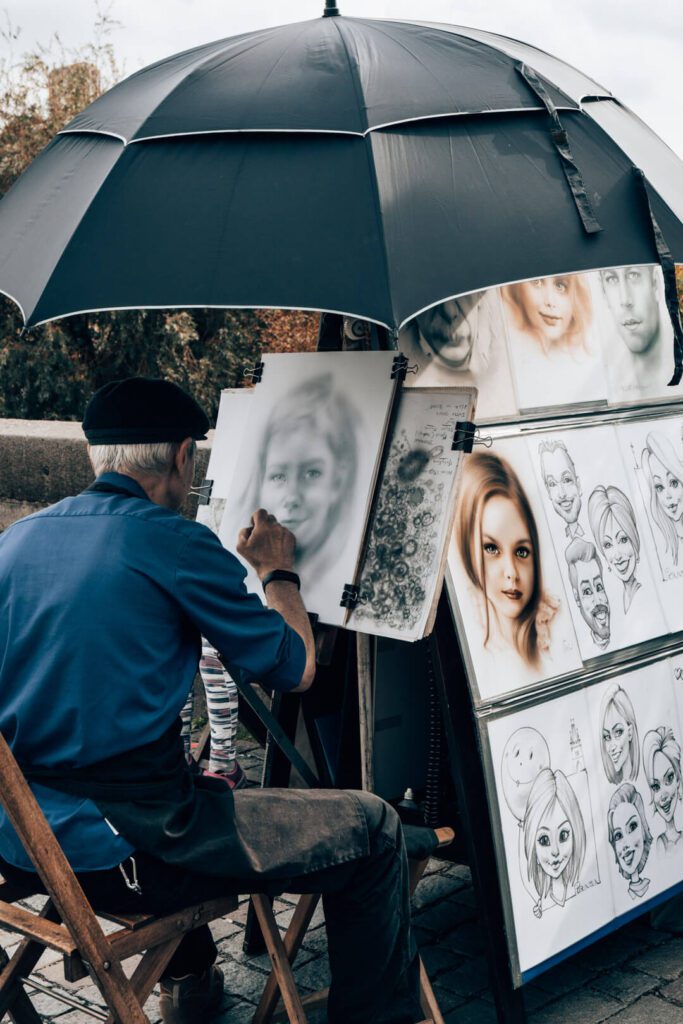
{"x": 266, "y": 545}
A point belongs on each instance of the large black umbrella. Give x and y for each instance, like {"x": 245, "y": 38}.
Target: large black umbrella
{"x": 372, "y": 168}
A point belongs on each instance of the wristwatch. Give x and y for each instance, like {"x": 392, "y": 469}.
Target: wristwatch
{"x": 283, "y": 575}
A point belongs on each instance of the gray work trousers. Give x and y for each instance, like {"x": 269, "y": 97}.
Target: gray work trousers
{"x": 347, "y": 846}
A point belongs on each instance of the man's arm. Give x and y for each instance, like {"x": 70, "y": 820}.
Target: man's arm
{"x": 267, "y": 545}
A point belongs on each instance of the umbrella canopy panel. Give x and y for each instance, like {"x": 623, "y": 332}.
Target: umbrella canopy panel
{"x": 327, "y": 75}
{"x": 379, "y": 227}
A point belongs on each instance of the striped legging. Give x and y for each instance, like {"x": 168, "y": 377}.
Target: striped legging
{"x": 221, "y": 705}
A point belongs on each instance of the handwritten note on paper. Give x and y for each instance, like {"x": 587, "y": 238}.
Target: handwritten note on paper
{"x": 403, "y": 563}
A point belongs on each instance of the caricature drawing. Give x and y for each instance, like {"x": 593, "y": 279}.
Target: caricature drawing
{"x": 613, "y": 522}
{"x": 663, "y": 473}
{"x": 524, "y": 756}
{"x": 629, "y": 836}
{"x": 554, "y": 312}
{"x": 306, "y": 469}
{"x": 554, "y": 839}
{"x": 585, "y": 577}
{"x": 662, "y": 764}
{"x": 619, "y": 743}
{"x": 498, "y": 542}
{"x": 562, "y": 484}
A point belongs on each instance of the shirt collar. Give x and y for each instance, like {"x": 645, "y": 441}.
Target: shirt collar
{"x": 126, "y": 483}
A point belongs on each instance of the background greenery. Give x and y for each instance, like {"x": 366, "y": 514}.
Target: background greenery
{"x": 51, "y": 371}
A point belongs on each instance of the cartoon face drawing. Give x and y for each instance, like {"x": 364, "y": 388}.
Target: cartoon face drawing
{"x": 662, "y": 764}
{"x": 591, "y": 598}
{"x": 668, "y": 489}
{"x": 664, "y": 786}
{"x": 525, "y": 755}
{"x": 554, "y": 841}
{"x": 627, "y": 837}
{"x": 561, "y": 480}
{"x": 632, "y": 300}
{"x": 617, "y": 735}
{"x": 618, "y": 549}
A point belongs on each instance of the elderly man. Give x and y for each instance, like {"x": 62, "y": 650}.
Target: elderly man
{"x": 103, "y": 600}
{"x": 585, "y": 576}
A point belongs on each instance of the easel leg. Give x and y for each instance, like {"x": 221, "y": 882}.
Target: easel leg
{"x": 467, "y": 771}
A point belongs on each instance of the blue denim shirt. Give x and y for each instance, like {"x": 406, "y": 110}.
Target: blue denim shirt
{"x": 104, "y": 598}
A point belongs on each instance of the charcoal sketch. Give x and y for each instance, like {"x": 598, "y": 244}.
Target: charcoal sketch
{"x": 613, "y": 523}
{"x": 310, "y": 455}
{"x": 638, "y": 349}
{"x": 630, "y": 837}
{"x": 619, "y": 743}
{"x": 588, "y": 587}
{"x": 663, "y": 473}
{"x": 462, "y": 342}
{"x": 662, "y": 764}
{"x": 211, "y": 515}
{"x": 552, "y": 348}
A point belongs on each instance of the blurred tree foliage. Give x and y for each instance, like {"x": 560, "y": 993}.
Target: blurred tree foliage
{"x": 51, "y": 371}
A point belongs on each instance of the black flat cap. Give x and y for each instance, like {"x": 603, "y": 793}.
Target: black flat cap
{"x": 143, "y": 410}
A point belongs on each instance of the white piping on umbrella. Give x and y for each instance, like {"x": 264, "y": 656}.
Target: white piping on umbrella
{"x": 16, "y": 301}
{"x": 315, "y": 309}
{"x": 314, "y": 131}
{"x": 203, "y": 305}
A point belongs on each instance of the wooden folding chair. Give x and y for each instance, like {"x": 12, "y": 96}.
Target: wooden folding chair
{"x": 68, "y": 925}
{"x": 294, "y": 1007}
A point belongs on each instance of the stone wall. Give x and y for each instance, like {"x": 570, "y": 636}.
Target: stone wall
{"x": 42, "y": 461}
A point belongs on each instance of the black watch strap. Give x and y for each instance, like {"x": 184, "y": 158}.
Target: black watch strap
{"x": 284, "y": 575}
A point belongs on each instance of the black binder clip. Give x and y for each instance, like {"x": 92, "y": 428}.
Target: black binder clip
{"x": 399, "y": 367}
{"x": 203, "y": 491}
{"x": 349, "y": 598}
{"x": 253, "y": 373}
{"x": 466, "y": 435}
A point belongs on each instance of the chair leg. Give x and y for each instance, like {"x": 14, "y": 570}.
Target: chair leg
{"x": 149, "y": 970}
{"x": 13, "y": 998}
{"x": 294, "y": 936}
{"x": 430, "y": 1006}
{"x": 279, "y": 960}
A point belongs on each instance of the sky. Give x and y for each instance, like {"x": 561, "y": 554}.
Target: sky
{"x": 632, "y": 47}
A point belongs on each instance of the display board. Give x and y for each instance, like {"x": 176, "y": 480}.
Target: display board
{"x": 564, "y": 576}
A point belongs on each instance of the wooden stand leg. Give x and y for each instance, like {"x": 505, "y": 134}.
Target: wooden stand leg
{"x": 279, "y": 960}
{"x": 294, "y": 936}
{"x": 467, "y": 771}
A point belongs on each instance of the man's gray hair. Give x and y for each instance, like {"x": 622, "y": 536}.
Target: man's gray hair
{"x": 140, "y": 459}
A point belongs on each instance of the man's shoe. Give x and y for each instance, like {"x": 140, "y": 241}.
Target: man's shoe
{"x": 188, "y": 1000}
{"x": 236, "y": 779}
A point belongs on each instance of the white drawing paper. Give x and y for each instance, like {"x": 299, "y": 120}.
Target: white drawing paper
{"x": 504, "y": 576}
{"x": 635, "y": 331}
{"x": 652, "y": 453}
{"x": 552, "y": 342}
{"x": 310, "y": 456}
{"x": 544, "y": 776}
{"x": 461, "y": 342}
{"x": 231, "y": 427}
{"x": 409, "y": 527}
{"x": 597, "y": 532}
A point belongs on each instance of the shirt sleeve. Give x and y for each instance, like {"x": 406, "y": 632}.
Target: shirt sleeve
{"x": 253, "y": 640}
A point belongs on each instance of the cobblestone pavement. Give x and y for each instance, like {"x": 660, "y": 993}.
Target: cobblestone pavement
{"x": 631, "y": 977}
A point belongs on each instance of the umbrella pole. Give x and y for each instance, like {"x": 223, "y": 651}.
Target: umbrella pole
{"x": 331, "y": 10}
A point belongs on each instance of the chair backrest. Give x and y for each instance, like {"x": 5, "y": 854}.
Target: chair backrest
{"x": 79, "y": 921}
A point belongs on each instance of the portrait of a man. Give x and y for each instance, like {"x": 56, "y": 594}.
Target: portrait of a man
{"x": 562, "y": 484}
{"x": 585, "y": 576}
{"x": 638, "y": 350}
